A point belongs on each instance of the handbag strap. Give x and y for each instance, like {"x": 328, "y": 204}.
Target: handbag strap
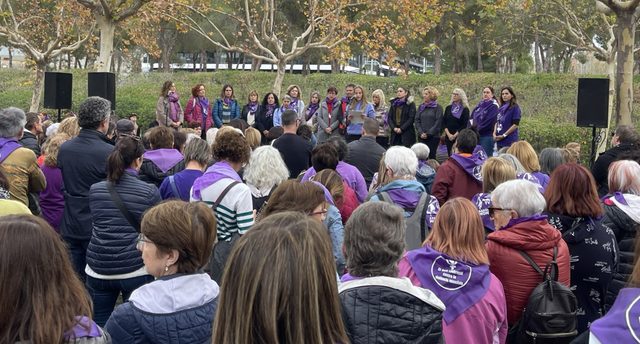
{"x": 172, "y": 181}
{"x": 125, "y": 212}
{"x": 224, "y": 193}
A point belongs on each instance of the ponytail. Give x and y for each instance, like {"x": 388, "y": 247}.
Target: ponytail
{"x": 115, "y": 165}
{"x": 127, "y": 150}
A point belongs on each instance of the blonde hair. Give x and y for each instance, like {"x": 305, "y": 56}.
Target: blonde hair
{"x": 50, "y": 149}
{"x": 496, "y": 171}
{"x": 187, "y": 131}
{"x": 526, "y": 155}
{"x": 291, "y": 87}
{"x": 380, "y": 95}
{"x": 69, "y": 126}
{"x": 433, "y": 92}
{"x": 383, "y": 179}
{"x": 334, "y": 183}
{"x": 253, "y": 137}
{"x": 252, "y": 92}
{"x": 463, "y": 97}
{"x": 364, "y": 98}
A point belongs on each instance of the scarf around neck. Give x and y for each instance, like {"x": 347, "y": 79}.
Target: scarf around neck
{"x": 252, "y": 108}
{"x": 218, "y": 171}
{"x": 344, "y": 99}
{"x": 504, "y": 107}
{"x": 293, "y": 105}
{"x": 270, "y": 108}
{"x": 430, "y": 104}
{"x": 399, "y": 103}
{"x": 456, "y": 110}
{"x": 227, "y": 102}
{"x": 332, "y": 102}
{"x": 204, "y": 103}
{"x": 174, "y": 106}
{"x": 312, "y": 110}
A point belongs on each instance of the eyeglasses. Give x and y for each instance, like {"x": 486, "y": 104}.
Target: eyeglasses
{"x": 454, "y": 94}
{"x": 322, "y": 213}
{"x": 492, "y": 210}
{"x": 142, "y": 240}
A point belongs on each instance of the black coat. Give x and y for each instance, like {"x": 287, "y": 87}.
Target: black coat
{"x": 600, "y": 169}
{"x": 263, "y": 122}
{"x": 379, "y": 310}
{"x": 112, "y": 250}
{"x": 453, "y": 124}
{"x": 245, "y": 112}
{"x": 406, "y": 122}
{"x": 151, "y": 173}
{"x": 83, "y": 162}
{"x": 30, "y": 141}
{"x": 429, "y": 121}
{"x": 625, "y": 230}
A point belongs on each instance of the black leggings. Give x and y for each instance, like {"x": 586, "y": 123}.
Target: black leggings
{"x": 432, "y": 142}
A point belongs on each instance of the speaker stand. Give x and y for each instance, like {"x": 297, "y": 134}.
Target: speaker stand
{"x": 593, "y": 147}
{"x": 59, "y": 113}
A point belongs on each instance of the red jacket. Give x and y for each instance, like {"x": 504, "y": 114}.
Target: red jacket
{"x": 536, "y": 238}
{"x": 350, "y": 203}
{"x": 194, "y": 113}
{"x": 453, "y": 181}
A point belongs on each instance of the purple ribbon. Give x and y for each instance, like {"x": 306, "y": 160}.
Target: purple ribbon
{"x": 513, "y": 222}
{"x": 347, "y": 277}
{"x": 131, "y": 170}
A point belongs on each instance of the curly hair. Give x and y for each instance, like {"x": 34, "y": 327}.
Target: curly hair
{"x": 69, "y": 126}
{"x": 195, "y": 89}
{"x": 266, "y": 168}
{"x": 50, "y": 148}
{"x": 231, "y": 146}
{"x": 92, "y": 112}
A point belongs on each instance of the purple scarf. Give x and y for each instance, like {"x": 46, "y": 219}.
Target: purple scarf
{"x": 174, "y": 106}
{"x": 312, "y": 110}
{"x": 513, "y": 222}
{"x": 270, "y": 108}
{"x": 293, "y": 105}
{"x": 399, "y": 102}
{"x": 618, "y": 197}
{"x": 472, "y": 165}
{"x": 347, "y": 277}
{"x": 430, "y": 104}
{"x": 443, "y": 149}
{"x": 204, "y": 103}
{"x": 482, "y": 106}
{"x": 79, "y": 331}
{"x": 335, "y": 100}
{"x": 327, "y": 194}
{"x": 344, "y": 99}
{"x": 164, "y": 158}
{"x": 227, "y": 102}
{"x": 252, "y": 108}
{"x": 7, "y": 146}
{"x": 620, "y": 325}
{"x": 219, "y": 170}
{"x": 504, "y": 107}
{"x": 531, "y": 178}
{"x": 459, "y": 285}
{"x": 456, "y": 110}
{"x": 482, "y": 201}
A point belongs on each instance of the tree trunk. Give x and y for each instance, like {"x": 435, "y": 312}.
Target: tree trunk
{"x": 277, "y": 84}
{"x": 10, "y": 57}
{"x": 107, "y": 32}
{"x": 543, "y": 60}
{"x": 203, "y": 60}
{"x": 41, "y": 66}
{"x": 291, "y": 67}
{"x": 611, "y": 73}
{"x": 59, "y": 62}
{"x": 119, "y": 63}
{"x": 456, "y": 69}
{"x": 498, "y": 63}
{"x": 407, "y": 60}
{"x": 379, "y": 69}
{"x": 69, "y": 60}
{"x": 559, "y": 60}
{"x": 438, "y": 58}
{"x": 624, "y": 73}
{"x": 467, "y": 64}
{"x": 536, "y": 48}
{"x": 240, "y": 65}
{"x": 218, "y": 53}
{"x": 229, "y": 60}
{"x": 77, "y": 64}
{"x": 194, "y": 59}
{"x": 547, "y": 64}
{"x": 479, "y": 53}
{"x": 306, "y": 65}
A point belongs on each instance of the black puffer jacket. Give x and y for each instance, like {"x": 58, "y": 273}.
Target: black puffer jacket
{"x": 625, "y": 230}
{"x": 378, "y": 310}
{"x": 30, "y": 141}
{"x": 600, "y": 169}
{"x": 112, "y": 250}
{"x": 151, "y": 173}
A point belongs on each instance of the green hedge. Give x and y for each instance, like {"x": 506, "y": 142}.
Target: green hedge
{"x": 548, "y": 101}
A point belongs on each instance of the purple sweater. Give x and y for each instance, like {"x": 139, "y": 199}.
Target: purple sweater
{"x": 51, "y": 198}
{"x": 184, "y": 181}
{"x": 349, "y": 174}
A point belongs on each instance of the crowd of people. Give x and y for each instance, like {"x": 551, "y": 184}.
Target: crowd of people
{"x": 335, "y": 221}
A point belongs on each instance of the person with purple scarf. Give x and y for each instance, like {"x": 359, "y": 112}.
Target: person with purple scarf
{"x": 456, "y": 117}
{"x": 505, "y": 131}
{"x": 401, "y": 117}
{"x": 428, "y": 120}
{"x": 162, "y": 160}
{"x": 454, "y": 265}
{"x": 329, "y": 116}
{"x": 495, "y": 171}
{"x": 51, "y": 198}
{"x": 484, "y": 118}
{"x": 377, "y": 306}
{"x": 225, "y": 107}
{"x": 250, "y": 111}
{"x": 310, "y": 112}
{"x": 169, "y": 112}
{"x": 264, "y": 121}
{"x": 277, "y": 114}
{"x": 297, "y": 105}
{"x": 199, "y": 110}
{"x": 197, "y": 154}
{"x": 358, "y": 103}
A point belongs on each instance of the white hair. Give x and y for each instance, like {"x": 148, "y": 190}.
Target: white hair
{"x": 53, "y": 129}
{"x": 520, "y": 195}
{"x": 211, "y": 135}
{"x": 266, "y": 168}
{"x": 517, "y": 165}
{"x": 422, "y": 151}
{"x": 191, "y": 137}
{"x": 402, "y": 161}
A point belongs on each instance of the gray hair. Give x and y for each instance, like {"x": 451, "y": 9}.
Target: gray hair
{"x": 286, "y": 96}
{"x": 191, "y": 137}
{"x": 197, "y": 150}
{"x": 266, "y": 168}
{"x": 53, "y": 129}
{"x": 422, "y": 151}
{"x": 463, "y": 98}
{"x": 402, "y": 161}
{"x": 522, "y": 196}
{"x": 374, "y": 240}
{"x": 211, "y": 135}
{"x": 92, "y": 112}
{"x": 517, "y": 165}
{"x": 549, "y": 159}
{"x": 12, "y": 120}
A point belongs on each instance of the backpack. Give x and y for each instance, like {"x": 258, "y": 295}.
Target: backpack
{"x": 416, "y": 224}
{"x": 550, "y": 314}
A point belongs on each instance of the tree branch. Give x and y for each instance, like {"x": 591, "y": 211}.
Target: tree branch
{"x": 133, "y": 9}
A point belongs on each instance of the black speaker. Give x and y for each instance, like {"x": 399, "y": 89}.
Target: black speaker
{"x": 593, "y": 102}
{"x": 58, "y": 90}
{"x": 103, "y": 85}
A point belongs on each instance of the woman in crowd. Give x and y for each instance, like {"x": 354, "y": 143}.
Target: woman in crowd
{"x": 622, "y": 216}
{"x": 456, "y": 117}
{"x": 268, "y": 297}
{"x": 569, "y": 155}
{"x": 252, "y": 109}
{"x": 310, "y": 112}
{"x": 329, "y": 117}
{"x": 529, "y": 160}
{"x": 222, "y": 189}
{"x": 179, "y": 306}
{"x": 169, "y": 112}
{"x": 549, "y": 160}
{"x": 425, "y": 173}
{"x": 277, "y": 115}
{"x": 358, "y": 103}
{"x": 380, "y": 108}
{"x": 69, "y": 126}
{"x": 198, "y": 109}
{"x": 197, "y": 129}
{"x": 297, "y": 105}
{"x": 196, "y": 154}
{"x": 342, "y": 195}
{"x": 574, "y": 209}
{"x": 314, "y": 200}
{"x": 8, "y": 206}
{"x": 516, "y": 209}
{"x": 265, "y": 171}
{"x": 162, "y": 160}
{"x": 264, "y": 121}
{"x": 225, "y": 107}
{"x": 379, "y": 179}
{"x": 484, "y": 117}
{"x": 253, "y": 137}
{"x": 51, "y": 198}
{"x": 476, "y": 309}
{"x": 495, "y": 171}
{"x": 429, "y": 120}
{"x": 505, "y": 131}
{"x": 113, "y": 263}
{"x": 521, "y": 173}
{"x": 41, "y": 305}
{"x": 179, "y": 140}
{"x": 401, "y": 117}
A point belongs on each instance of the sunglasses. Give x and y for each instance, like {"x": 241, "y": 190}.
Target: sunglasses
{"x": 492, "y": 211}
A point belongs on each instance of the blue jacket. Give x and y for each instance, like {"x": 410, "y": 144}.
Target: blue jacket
{"x": 217, "y": 111}
{"x": 112, "y": 250}
{"x": 333, "y": 223}
{"x": 176, "y": 309}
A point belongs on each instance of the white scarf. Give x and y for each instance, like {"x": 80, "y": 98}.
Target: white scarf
{"x": 632, "y": 208}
